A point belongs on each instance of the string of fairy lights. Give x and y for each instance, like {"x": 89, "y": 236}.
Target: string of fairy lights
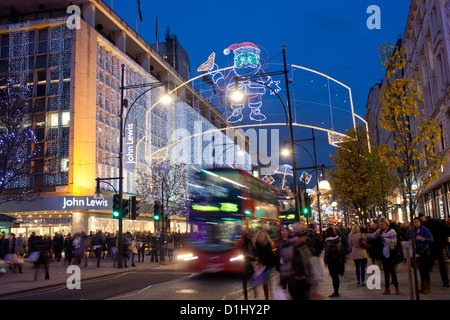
{"x": 40, "y": 60}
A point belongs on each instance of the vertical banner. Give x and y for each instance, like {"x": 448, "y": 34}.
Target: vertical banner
{"x": 130, "y": 145}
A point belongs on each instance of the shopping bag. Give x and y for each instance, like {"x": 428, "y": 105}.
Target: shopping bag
{"x": 34, "y": 256}
{"x": 258, "y": 277}
{"x": 280, "y": 294}
{"x": 317, "y": 272}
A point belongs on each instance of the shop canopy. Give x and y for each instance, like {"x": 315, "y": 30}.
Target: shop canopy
{"x": 6, "y": 221}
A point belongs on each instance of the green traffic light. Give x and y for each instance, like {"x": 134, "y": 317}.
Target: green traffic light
{"x": 156, "y": 217}
{"x": 116, "y": 214}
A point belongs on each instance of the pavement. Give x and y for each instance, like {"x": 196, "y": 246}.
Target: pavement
{"x": 349, "y": 290}
{"x": 11, "y": 283}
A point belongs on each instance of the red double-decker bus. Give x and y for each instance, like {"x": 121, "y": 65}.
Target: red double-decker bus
{"x": 227, "y": 201}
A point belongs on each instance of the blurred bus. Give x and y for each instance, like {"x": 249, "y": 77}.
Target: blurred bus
{"x": 227, "y": 201}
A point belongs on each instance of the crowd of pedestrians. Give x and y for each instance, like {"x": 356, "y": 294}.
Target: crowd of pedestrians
{"x": 302, "y": 254}
{"x": 79, "y": 248}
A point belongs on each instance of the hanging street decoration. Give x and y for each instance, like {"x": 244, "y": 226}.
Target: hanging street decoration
{"x": 246, "y": 63}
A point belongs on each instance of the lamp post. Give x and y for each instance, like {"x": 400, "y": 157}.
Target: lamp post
{"x": 166, "y": 99}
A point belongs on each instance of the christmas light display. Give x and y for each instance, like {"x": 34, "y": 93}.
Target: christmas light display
{"x": 246, "y": 63}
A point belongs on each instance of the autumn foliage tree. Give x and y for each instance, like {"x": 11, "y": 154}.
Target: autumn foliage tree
{"x": 360, "y": 178}
{"x": 412, "y": 152}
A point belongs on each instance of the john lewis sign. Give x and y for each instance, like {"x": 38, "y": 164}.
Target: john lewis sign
{"x": 55, "y": 203}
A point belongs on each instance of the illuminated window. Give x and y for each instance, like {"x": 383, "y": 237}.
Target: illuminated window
{"x": 64, "y": 165}
{"x": 65, "y": 121}
{"x": 52, "y": 120}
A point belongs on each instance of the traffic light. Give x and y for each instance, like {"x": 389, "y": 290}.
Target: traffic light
{"x": 134, "y": 207}
{"x": 157, "y": 210}
{"x": 125, "y": 207}
{"x": 116, "y": 207}
{"x": 306, "y": 209}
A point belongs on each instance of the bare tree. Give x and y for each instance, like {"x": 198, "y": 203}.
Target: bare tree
{"x": 16, "y": 138}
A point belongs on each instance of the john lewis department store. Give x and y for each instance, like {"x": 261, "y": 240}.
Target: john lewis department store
{"x": 74, "y": 79}
{"x": 71, "y": 214}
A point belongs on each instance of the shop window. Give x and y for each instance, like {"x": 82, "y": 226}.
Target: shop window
{"x": 64, "y": 165}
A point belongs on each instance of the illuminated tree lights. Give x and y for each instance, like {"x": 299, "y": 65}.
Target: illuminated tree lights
{"x": 39, "y": 60}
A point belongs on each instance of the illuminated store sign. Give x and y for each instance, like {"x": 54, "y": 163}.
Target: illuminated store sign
{"x": 77, "y": 202}
{"x": 130, "y": 144}
{"x": 54, "y": 203}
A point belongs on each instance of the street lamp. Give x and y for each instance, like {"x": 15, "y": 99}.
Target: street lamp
{"x": 165, "y": 99}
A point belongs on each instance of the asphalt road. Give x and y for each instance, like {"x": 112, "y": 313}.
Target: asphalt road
{"x": 146, "y": 285}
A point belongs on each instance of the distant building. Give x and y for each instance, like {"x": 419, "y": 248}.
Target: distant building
{"x": 427, "y": 43}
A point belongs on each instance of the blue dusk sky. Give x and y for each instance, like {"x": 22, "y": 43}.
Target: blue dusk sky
{"x": 328, "y": 36}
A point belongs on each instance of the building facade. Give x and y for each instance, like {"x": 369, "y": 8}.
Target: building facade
{"x": 74, "y": 76}
{"x": 427, "y": 43}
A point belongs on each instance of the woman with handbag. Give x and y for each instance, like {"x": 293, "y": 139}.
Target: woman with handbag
{"x": 423, "y": 237}
{"x": 358, "y": 246}
{"x": 388, "y": 237}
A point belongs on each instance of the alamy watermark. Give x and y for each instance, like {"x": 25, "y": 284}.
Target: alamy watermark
{"x": 74, "y": 20}
{"x": 74, "y": 280}
{"x": 216, "y": 148}
{"x": 374, "y": 21}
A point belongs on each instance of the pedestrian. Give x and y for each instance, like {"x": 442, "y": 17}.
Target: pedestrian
{"x": 18, "y": 254}
{"x": 78, "y": 249}
{"x": 68, "y": 248}
{"x": 133, "y": 250}
{"x": 248, "y": 251}
{"x": 126, "y": 248}
{"x": 300, "y": 282}
{"x": 43, "y": 246}
{"x": 162, "y": 246}
{"x": 58, "y": 244}
{"x": 439, "y": 230}
{"x": 85, "y": 243}
{"x": 170, "y": 246}
{"x": 285, "y": 252}
{"x": 388, "y": 238}
{"x": 98, "y": 243}
{"x": 113, "y": 244}
{"x": 422, "y": 238}
{"x": 332, "y": 258}
{"x": 358, "y": 246}
{"x": 143, "y": 245}
{"x": 154, "y": 248}
{"x": 265, "y": 258}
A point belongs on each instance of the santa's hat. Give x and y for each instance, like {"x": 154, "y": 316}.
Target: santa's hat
{"x": 243, "y": 47}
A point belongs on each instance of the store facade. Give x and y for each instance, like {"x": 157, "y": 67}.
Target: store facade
{"x": 69, "y": 214}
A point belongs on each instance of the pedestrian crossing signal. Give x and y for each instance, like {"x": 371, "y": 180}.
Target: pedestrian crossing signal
{"x": 134, "y": 207}
{"x": 157, "y": 210}
{"x": 116, "y": 207}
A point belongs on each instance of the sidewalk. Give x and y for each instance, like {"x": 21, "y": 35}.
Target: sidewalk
{"x": 350, "y": 291}
{"x": 22, "y": 282}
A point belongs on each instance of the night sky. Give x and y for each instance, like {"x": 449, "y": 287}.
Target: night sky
{"x": 328, "y": 36}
